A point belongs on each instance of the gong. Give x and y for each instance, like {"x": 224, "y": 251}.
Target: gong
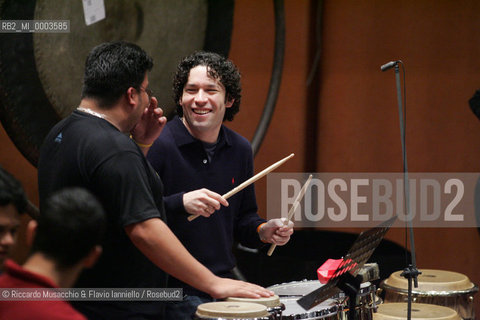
{"x": 41, "y": 73}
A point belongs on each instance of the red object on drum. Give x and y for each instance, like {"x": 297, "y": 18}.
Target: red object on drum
{"x": 328, "y": 268}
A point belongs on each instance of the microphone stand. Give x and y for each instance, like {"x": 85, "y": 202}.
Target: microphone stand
{"x": 410, "y": 272}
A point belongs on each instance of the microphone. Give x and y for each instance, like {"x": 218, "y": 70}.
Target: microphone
{"x": 388, "y": 65}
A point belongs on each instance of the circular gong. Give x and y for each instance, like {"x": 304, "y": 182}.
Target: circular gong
{"x": 41, "y": 73}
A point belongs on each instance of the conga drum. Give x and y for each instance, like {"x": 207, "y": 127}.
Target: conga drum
{"x": 232, "y": 310}
{"x": 439, "y": 287}
{"x": 420, "y": 311}
{"x": 273, "y": 304}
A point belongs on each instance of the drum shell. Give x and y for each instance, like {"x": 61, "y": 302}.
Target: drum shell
{"x": 460, "y": 299}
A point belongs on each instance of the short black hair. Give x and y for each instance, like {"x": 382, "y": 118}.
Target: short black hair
{"x": 11, "y": 191}
{"x": 71, "y": 225}
{"x": 218, "y": 67}
{"x": 113, "y": 67}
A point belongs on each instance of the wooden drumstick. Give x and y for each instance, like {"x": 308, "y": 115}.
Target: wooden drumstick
{"x": 249, "y": 181}
{"x": 292, "y": 210}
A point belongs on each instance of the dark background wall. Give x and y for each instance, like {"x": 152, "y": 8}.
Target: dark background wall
{"x": 353, "y": 106}
{"x": 347, "y": 119}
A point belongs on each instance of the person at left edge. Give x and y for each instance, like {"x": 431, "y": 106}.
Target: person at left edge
{"x": 64, "y": 240}
{"x": 13, "y": 202}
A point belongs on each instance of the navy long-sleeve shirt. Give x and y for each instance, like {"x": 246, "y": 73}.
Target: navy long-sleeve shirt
{"x": 183, "y": 165}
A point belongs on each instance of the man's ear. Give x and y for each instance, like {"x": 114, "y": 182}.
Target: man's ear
{"x": 92, "y": 257}
{"x": 229, "y": 102}
{"x": 31, "y": 231}
{"x": 131, "y": 95}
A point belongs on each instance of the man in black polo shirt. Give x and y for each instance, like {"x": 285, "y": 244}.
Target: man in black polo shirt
{"x": 198, "y": 159}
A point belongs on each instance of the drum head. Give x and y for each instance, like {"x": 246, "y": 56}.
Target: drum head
{"x": 270, "y": 302}
{"x": 420, "y": 311}
{"x": 231, "y": 310}
{"x": 41, "y": 73}
{"x": 432, "y": 280}
{"x": 295, "y": 288}
{"x": 326, "y": 309}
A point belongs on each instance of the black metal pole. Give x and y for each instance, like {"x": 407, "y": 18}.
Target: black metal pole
{"x": 411, "y": 272}
{"x": 276, "y": 76}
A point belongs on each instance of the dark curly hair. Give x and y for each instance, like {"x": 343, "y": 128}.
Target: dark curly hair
{"x": 113, "y": 67}
{"x": 11, "y": 192}
{"x": 218, "y": 68}
{"x": 69, "y": 227}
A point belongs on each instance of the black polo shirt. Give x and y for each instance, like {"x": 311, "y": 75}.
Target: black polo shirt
{"x": 86, "y": 151}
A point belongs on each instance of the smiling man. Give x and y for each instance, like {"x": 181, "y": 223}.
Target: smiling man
{"x": 198, "y": 159}
{"x": 13, "y": 202}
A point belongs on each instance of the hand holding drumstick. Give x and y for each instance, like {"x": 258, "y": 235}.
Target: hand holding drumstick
{"x": 292, "y": 210}
{"x": 209, "y": 208}
{"x": 276, "y": 231}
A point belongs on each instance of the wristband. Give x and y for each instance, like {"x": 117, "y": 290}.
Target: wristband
{"x": 141, "y": 145}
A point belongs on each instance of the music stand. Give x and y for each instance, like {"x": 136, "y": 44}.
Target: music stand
{"x": 344, "y": 278}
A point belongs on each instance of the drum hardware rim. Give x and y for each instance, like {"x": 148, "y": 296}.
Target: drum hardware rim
{"x": 473, "y": 290}
{"x": 200, "y": 317}
{"x": 379, "y": 291}
{"x": 223, "y": 318}
{"x": 434, "y": 280}
{"x": 280, "y": 307}
{"x": 290, "y": 283}
{"x": 329, "y": 310}
{"x": 219, "y": 310}
{"x": 367, "y": 301}
{"x": 294, "y": 281}
{"x": 271, "y": 302}
{"x": 371, "y": 290}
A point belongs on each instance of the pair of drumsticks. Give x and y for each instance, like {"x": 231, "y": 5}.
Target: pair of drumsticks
{"x": 257, "y": 177}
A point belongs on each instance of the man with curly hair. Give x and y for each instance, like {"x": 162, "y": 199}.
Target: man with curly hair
{"x": 198, "y": 159}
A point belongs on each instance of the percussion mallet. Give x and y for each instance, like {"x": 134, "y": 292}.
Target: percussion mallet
{"x": 249, "y": 181}
{"x": 292, "y": 210}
